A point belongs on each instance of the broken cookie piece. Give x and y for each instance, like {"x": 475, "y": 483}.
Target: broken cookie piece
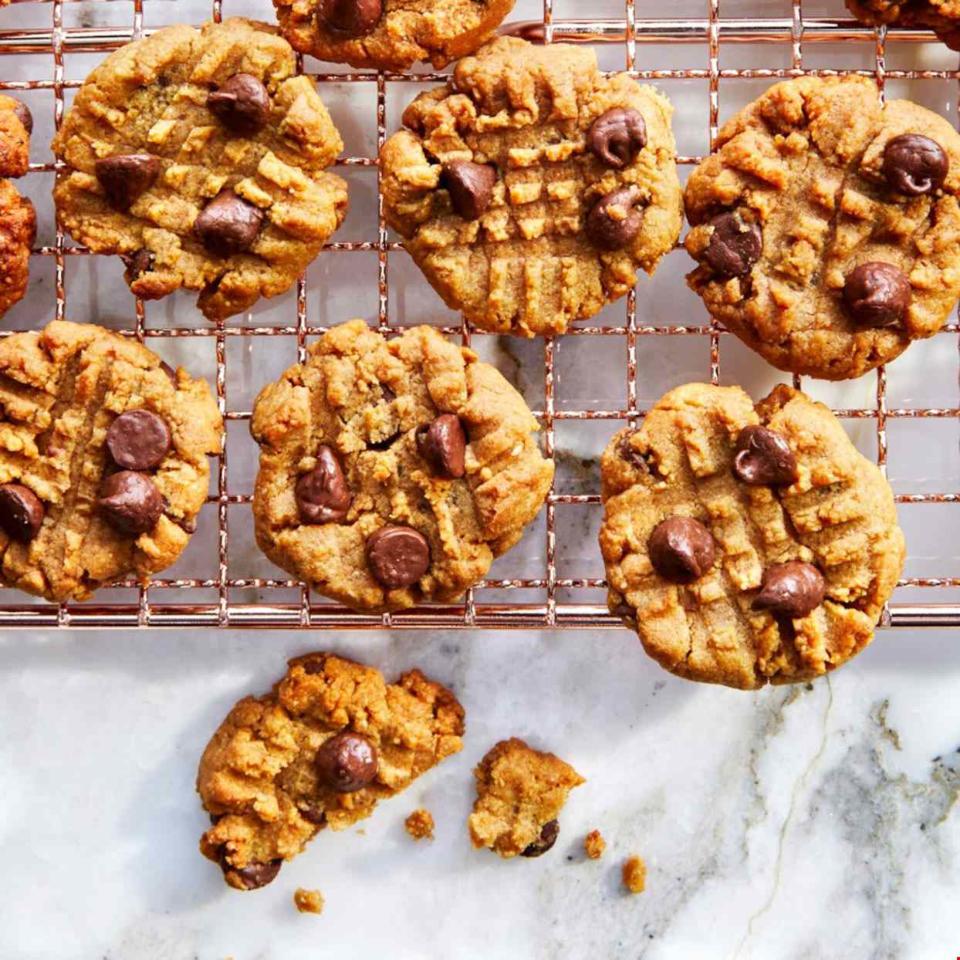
{"x": 634, "y": 874}
{"x": 419, "y": 825}
{"x": 594, "y": 845}
{"x": 308, "y": 901}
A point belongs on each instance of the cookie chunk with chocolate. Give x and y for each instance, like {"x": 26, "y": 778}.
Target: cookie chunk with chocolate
{"x": 18, "y": 221}
{"x": 746, "y": 544}
{"x": 393, "y": 472}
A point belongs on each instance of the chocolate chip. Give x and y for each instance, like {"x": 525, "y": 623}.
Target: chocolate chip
{"x": 617, "y": 135}
{"x": 548, "y": 837}
{"x": 734, "y": 246}
{"x": 138, "y": 264}
{"x": 914, "y": 164}
{"x": 228, "y": 224}
{"x": 347, "y": 762}
{"x": 353, "y": 18}
{"x": 23, "y": 115}
{"x": 876, "y": 294}
{"x": 313, "y": 812}
{"x": 443, "y": 445}
{"x": 322, "y": 494}
{"x": 791, "y": 589}
{"x": 398, "y": 556}
{"x": 126, "y": 176}
{"x": 470, "y": 186}
{"x": 21, "y": 512}
{"x": 614, "y": 220}
{"x": 242, "y": 104}
{"x": 130, "y": 501}
{"x": 764, "y": 457}
{"x": 255, "y": 875}
{"x": 385, "y": 444}
{"x": 681, "y": 549}
{"x": 170, "y": 372}
{"x": 638, "y": 459}
{"x": 138, "y": 440}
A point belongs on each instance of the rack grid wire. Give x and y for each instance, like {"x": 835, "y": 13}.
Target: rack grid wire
{"x": 547, "y": 610}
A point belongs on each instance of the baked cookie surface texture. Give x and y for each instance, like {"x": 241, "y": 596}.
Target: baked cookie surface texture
{"x": 827, "y": 226}
{"x": 393, "y": 472}
{"x": 941, "y": 16}
{"x": 531, "y": 188}
{"x": 103, "y": 460}
{"x": 322, "y": 749}
{"x": 745, "y": 543}
{"x": 18, "y": 221}
{"x": 200, "y": 158}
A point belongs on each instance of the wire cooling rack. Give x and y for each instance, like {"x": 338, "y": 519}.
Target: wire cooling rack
{"x": 543, "y": 593}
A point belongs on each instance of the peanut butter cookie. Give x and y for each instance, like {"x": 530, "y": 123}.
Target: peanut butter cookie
{"x": 200, "y": 158}
{"x": 532, "y": 187}
{"x": 321, "y": 749}
{"x": 941, "y": 16}
{"x": 389, "y": 34}
{"x": 827, "y": 226}
{"x": 18, "y": 222}
{"x": 520, "y": 792}
{"x": 746, "y": 544}
{"x": 393, "y": 472}
{"x": 103, "y": 459}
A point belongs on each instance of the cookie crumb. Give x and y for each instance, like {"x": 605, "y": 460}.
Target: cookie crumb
{"x": 419, "y": 824}
{"x": 308, "y": 901}
{"x": 634, "y": 874}
{"x": 594, "y": 844}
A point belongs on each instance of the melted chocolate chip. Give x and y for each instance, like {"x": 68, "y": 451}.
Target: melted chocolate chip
{"x": 126, "y": 176}
{"x": 443, "y": 445}
{"x": 170, "y": 372}
{"x": 791, "y": 589}
{"x": 470, "y": 186}
{"x": 763, "y": 457}
{"x": 347, "y": 762}
{"x": 228, "y": 224}
{"x": 734, "y": 246}
{"x": 398, "y": 556}
{"x": 353, "y": 18}
{"x": 138, "y": 440}
{"x": 313, "y": 812}
{"x": 23, "y": 115}
{"x": 322, "y": 494}
{"x": 638, "y": 459}
{"x": 876, "y": 294}
{"x": 548, "y": 837}
{"x": 21, "y": 512}
{"x": 914, "y": 164}
{"x": 138, "y": 264}
{"x": 617, "y": 136}
{"x": 130, "y": 502}
{"x": 242, "y": 104}
{"x": 255, "y": 875}
{"x": 614, "y": 220}
{"x": 681, "y": 549}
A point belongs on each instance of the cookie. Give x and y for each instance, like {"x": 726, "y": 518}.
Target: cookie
{"x": 199, "y": 156}
{"x": 103, "y": 459}
{"x": 520, "y": 793}
{"x": 531, "y": 188}
{"x": 16, "y": 125}
{"x": 389, "y": 34}
{"x": 827, "y": 226}
{"x": 941, "y": 16}
{"x": 328, "y": 743}
{"x": 746, "y": 544}
{"x": 18, "y": 222}
{"x": 393, "y": 472}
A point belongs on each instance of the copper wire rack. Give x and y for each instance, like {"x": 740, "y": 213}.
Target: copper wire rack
{"x": 552, "y": 598}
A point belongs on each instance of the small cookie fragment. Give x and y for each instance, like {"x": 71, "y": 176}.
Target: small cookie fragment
{"x": 532, "y": 188}
{"x": 271, "y": 782}
{"x": 419, "y": 824}
{"x": 308, "y": 901}
{"x": 594, "y": 845}
{"x": 520, "y": 793}
{"x": 393, "y": 472}
{"x": 746, "y": 544}
{"x": 633, "y": 873}
{"x": 389, "y": 34}
{"x": 200, "y": 157}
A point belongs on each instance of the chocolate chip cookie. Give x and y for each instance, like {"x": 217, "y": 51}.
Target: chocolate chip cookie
{"x": 393, "y": 472}
{"x": 746, "y": 544}
{"x": 18, "y": 222}
{"x": 520, "y": 793}
{"x": 200, "y": 157}
{"x": 103, "y": 459}
{"x": 941, "y": 16}
{"x": 827, "y": 226}
{"x": 389, "y": 34}
{"x": 321, "y": 749}
{"x": 532, "y": 187}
